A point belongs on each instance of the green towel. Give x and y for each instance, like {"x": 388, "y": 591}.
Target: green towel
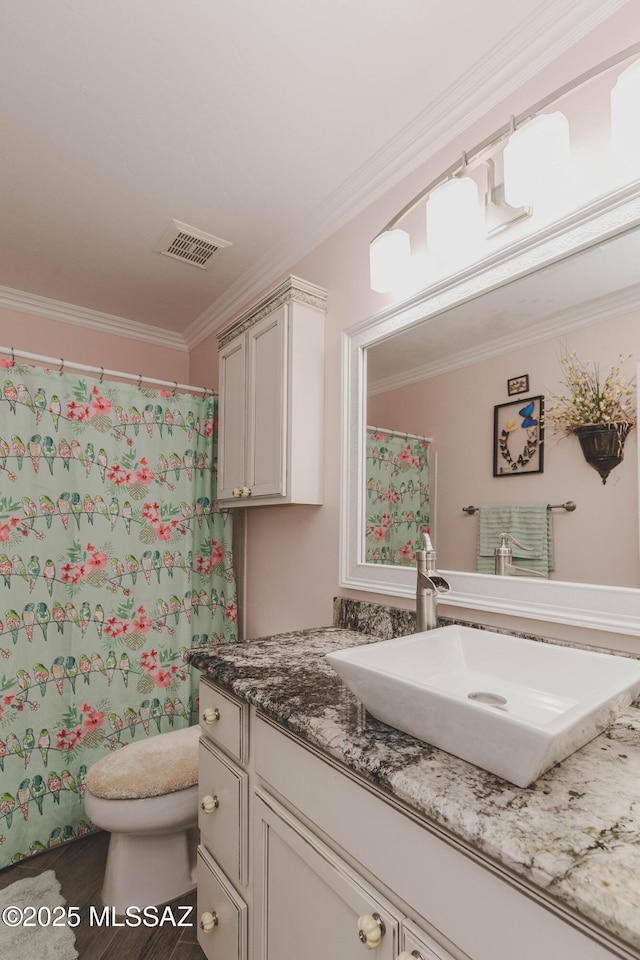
{"x": 531, "y": 524}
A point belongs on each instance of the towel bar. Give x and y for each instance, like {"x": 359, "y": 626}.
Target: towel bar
{"x": 568, "y": 505}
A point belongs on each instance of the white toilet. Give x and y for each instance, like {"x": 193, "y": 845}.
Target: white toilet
{"x": 146, "y": 796}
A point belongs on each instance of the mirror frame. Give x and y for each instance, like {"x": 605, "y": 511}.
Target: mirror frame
{"x": 591, "y": 606}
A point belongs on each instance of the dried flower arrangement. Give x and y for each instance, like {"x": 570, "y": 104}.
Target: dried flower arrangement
{"x": 591, "y": 400}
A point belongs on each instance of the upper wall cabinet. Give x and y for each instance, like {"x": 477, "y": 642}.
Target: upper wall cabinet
{"x": 272, "y": 400}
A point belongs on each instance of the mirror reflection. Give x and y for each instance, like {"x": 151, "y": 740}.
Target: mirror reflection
{"x": 432, "y": 394}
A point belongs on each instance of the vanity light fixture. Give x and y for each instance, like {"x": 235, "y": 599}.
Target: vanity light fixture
{"x": 535, "y": 148}
{"x": 389, "y": 260}
{"x": 454, "y": 217}
{"x": 537, "y": 161}
{"x": 625, "y": 121}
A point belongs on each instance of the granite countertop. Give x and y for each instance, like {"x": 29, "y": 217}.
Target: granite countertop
{"x": 575, "y": 832}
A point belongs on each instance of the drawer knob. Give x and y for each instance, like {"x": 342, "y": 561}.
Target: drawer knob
{"x": 236, "y": 492}
{"x": 208, "y": 921}
{"x": 414, "y": 955}
{"x": 370, "y": 930}
{"x": 245, "y": 492}
{"x": 209, "y": 803}
{"x": 210, "y": 715}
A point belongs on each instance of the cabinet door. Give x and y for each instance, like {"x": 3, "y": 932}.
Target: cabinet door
{"x": 267, "y": 405}
{"x": 308, "y": 901}
{"x": 232, "y": 432}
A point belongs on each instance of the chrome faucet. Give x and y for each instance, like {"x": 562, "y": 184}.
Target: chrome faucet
{"x": 504, "y": 557}
{"x": 429, "y": 585}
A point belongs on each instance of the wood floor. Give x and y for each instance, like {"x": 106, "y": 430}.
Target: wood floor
{"x": 79, "y": 867}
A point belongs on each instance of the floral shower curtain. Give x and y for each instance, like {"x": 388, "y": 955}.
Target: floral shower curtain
{"x": 113, "y": 561}
{"x": 398, "y": 500}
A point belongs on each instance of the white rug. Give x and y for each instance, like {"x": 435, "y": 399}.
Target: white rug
{"x": 43, "y": 941}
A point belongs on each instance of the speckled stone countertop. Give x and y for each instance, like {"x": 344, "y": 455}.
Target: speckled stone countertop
{"x": 575, "y": 833}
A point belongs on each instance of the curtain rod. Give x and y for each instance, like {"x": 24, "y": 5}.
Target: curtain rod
{"x": 39, "y": 358}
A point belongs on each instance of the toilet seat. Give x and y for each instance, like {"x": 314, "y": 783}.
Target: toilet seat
{"x": 148, "y": 768}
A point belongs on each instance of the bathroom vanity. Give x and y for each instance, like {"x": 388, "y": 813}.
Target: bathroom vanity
{"x": 325, "y": 833}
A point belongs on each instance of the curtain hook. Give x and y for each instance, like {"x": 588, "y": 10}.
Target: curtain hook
{"x": 101, "y": 374}
{"x": 173, "y": 392}
{"x": 139, "y": 380}
{"x": 13, "y": 358}
{"x": 61, "y": 370}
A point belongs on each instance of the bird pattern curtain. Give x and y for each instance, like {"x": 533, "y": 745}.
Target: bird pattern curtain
{"x": 398, "y": 501}
{"x": 113, "y": 560}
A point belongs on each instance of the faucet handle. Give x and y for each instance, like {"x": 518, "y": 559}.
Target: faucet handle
{"x": 506, "y": 538}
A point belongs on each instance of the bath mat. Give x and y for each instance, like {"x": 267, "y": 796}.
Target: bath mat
{"x": 42, "y": 941}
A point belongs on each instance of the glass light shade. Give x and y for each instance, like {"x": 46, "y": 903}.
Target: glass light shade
{"x": 389, "y": 260}
{"x": 454, "y": 217}
{"x": 537, "y": 161}
{"x": 625, "y": 121}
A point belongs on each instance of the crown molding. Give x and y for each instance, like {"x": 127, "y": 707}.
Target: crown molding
{"x": 550, "y": 31}
{"x": 92, "y": 319}
{"x": 293, "y": 288}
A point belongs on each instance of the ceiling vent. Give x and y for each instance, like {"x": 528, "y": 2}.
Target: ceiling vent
{"x": 188, "y": 244}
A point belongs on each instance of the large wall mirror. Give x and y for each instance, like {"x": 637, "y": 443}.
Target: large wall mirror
{"x": 439, "y": 364}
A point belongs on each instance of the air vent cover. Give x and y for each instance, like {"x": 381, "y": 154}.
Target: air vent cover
{"x": 189, "y": 244}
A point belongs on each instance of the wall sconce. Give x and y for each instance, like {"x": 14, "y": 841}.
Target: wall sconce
{"x": 536, "y": 155}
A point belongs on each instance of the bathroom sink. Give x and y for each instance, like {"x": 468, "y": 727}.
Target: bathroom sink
{"x": 513, "y": 706}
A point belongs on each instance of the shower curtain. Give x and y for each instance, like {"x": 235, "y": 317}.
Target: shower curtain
{"x": 113, "y": 561}
{"x": 398, "y": 500}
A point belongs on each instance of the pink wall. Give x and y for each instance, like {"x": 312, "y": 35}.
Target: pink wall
{"x": 203, "y": 364}
{"x": 293, "y": 552}
{"x": 82, "y": 345}
{"x": 598, "y": 543}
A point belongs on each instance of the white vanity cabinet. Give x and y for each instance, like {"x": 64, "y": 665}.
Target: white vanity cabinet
{"x": 270, "y": 438}
{"x": 313, "y": 861}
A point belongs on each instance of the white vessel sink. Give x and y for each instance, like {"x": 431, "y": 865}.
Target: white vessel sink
{"x": 512, "y": 706}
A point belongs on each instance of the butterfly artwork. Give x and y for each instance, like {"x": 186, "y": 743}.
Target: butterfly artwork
{"x": 526, "y": 414}
{"x": 518, "y": 436}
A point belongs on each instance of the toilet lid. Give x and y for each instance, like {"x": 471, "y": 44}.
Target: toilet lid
{"x": 149, "y": 768}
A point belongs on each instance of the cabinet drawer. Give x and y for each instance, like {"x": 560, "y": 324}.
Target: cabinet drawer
{"x": 224, "y": 825}
{"x": 228, "y": 937}
{"x": 224, "y": 720}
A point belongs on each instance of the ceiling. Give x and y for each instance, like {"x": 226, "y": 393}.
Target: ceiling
{"x": 266, "y": 124}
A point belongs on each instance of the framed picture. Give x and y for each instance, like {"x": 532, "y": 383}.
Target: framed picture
{"x": 518, "y": 385}
{"x": 517, "y": 437}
